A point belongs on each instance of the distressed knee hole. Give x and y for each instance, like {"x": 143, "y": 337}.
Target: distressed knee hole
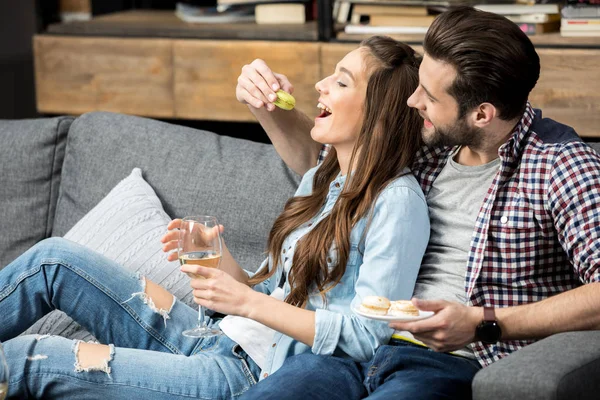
{"x": 157, "y": 298}
{"x": 93, "y": 357}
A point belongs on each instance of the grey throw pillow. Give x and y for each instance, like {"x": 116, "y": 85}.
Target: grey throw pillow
{"x": 126, "y": 226}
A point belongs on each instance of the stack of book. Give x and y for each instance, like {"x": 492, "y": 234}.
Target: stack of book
{"x": 388, "y": 16}
{"x": 533, "y": 19}
{"x": 259, "y": 11}
{"x": 580, "y": 18}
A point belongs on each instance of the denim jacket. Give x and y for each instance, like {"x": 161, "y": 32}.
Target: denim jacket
{"x": 384, "y": 262}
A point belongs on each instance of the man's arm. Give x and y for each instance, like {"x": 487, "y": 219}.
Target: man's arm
{"x": 289, "y": 131}
{"x": 453, "y": 325}
{"x": 573, "y": 188}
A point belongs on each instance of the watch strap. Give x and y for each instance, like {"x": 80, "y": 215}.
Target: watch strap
{"x": 489, "y": 314}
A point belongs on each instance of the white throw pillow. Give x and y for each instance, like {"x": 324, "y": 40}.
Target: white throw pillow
{"x": 125, "y": 226}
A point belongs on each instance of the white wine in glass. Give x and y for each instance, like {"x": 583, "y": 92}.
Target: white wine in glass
{"x": 200, "y": 244}
{"x": 3, "y": 375}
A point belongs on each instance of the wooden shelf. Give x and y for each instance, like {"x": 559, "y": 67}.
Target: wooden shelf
{"x": 553, "y": 40}
{"x": 155, "y": 65}
{"x": 165, "y": 24}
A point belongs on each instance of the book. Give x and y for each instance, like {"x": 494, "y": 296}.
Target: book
{"x": 384, "y": 30}
{"x": 534, "y": 18}
{"x": 214, "y": 15}
{"x": 581, "y": 11}
{"x": 255, "y": 2}
{"x": 344, "y": 12}
{"x": 580, "y": 24}
{"x": 518, "y": 9}
{"x": 281, "y": 13}
{"x": 568, "y": 33}
{"x": 401, "y": 20}
{"x": 388, "y": 9}
{"x": 536, "y": 29}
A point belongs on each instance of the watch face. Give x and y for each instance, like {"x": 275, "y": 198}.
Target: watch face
{"x": 488, "y": 332}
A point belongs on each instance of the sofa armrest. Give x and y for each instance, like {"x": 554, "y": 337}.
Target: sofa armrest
{"x": 562, "y": 366}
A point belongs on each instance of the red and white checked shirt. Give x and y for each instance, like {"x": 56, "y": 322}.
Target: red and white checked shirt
{"x": 538, "y": 230}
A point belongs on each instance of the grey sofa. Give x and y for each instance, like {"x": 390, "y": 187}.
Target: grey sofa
{"x": 54, "y": 170}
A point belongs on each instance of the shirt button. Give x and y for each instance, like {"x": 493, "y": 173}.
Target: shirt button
{"x": 265, "y": 375}
{"x": 309, "y": 225}
{"x": 337, "y": 184}
{"x": 329, "y": 259}
{"x": 283, "y": 251}
{"x": 504, "y": 219}
{"x": 274, "y": 344}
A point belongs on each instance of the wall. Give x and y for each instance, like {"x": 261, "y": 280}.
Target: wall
{"x": 18, "y": 24}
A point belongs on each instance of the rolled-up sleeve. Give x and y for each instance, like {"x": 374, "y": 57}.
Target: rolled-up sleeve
{"x": 396, "y": 239}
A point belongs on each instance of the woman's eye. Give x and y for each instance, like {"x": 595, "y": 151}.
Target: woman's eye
{"x": 340, "y": 84}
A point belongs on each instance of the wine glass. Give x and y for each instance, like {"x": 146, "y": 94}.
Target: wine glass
{"x": 3, "y": 375}
{"x": 200, "y": 244}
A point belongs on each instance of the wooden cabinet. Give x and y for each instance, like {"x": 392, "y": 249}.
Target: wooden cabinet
{"x": 206, "y": 72}
{"x": 76, "y": 75}
{"x": 173, "y": 77}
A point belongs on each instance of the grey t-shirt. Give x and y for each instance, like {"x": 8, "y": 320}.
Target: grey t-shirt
{"x": 454, "y": 201}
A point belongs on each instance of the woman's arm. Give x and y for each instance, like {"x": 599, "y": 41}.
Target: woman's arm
{"x": 289, "y": 131}
{"x": 394, "y": 246}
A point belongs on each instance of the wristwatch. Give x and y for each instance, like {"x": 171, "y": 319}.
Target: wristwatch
{"x": 488, "y": 331}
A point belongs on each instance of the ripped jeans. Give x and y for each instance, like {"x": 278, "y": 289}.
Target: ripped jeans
{"x": 148, "y": 357}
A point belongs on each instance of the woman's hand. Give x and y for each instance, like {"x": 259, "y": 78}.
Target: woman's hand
{"x": 170, "y": 239}
{"x": 257, "y": 85}
{"x": 217, "y": 290}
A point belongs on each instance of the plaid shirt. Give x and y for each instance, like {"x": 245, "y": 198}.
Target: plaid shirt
{"x": 538, "y": 230}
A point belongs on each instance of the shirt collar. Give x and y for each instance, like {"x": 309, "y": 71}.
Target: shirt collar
{"x": 338, "y": 183}
{"x": 513, "y": 147}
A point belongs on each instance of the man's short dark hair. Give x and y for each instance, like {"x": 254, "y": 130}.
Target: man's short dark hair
{"x": 495, "y": 61}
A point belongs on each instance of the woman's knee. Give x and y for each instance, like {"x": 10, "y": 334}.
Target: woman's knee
{"x": 52, "y": 247}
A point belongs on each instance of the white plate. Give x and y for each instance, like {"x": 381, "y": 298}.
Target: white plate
{"x": 392, "y": 318}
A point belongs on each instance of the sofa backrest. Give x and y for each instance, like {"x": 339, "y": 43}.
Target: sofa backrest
{"x": 245, "y": 184}
{"x": 31, "y": 157}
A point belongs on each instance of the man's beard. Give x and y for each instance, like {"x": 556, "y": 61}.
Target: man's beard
{"x": 459, "y": 134}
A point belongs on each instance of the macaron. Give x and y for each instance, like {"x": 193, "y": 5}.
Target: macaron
{"x": 376, "y": 305}
{"x": 403, "y": 307}
{"x": 284, "y": 100}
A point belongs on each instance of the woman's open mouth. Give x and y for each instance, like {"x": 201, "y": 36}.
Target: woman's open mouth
{"x": 325, "y": 111}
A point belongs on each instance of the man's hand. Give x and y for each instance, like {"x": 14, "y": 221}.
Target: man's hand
{"x": 451, "y": 328}
{"x": 257, "y": 85}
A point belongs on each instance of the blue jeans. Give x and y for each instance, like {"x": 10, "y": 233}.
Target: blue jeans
{"x": 401, "y": 371}
{"x": 150, "y": 358}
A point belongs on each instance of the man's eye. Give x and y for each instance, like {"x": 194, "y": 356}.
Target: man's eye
{"x": 340, "y": 84}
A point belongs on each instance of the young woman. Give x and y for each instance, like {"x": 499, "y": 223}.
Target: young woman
{"x": 357, "y": 226}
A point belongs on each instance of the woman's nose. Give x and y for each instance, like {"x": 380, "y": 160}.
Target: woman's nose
{"x": 321, "y": 86}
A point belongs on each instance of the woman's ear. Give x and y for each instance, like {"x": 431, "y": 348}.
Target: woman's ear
{"x": 484, "y": 115}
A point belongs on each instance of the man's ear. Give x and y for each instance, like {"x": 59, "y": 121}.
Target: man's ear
{"x": 483, "y": 115}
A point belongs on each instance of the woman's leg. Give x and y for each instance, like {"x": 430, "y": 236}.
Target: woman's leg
{"x": 59, "y": 368}
{"x": 113, "y": 304}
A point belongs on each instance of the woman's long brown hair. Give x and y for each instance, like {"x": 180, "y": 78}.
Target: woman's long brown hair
{"x": 388, "y": 140}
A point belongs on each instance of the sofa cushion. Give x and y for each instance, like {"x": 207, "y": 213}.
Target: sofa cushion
{"x": 31, "y": 157}
{"x": 243, "y": 183}
{"x": 126, "y": 226}
{"x": 560, "y": 367}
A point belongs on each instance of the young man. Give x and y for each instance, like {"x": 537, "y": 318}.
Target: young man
{"x": 514, "y": 202}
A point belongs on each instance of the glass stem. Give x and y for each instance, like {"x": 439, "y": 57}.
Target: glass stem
{"x": 201, "y": 321}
